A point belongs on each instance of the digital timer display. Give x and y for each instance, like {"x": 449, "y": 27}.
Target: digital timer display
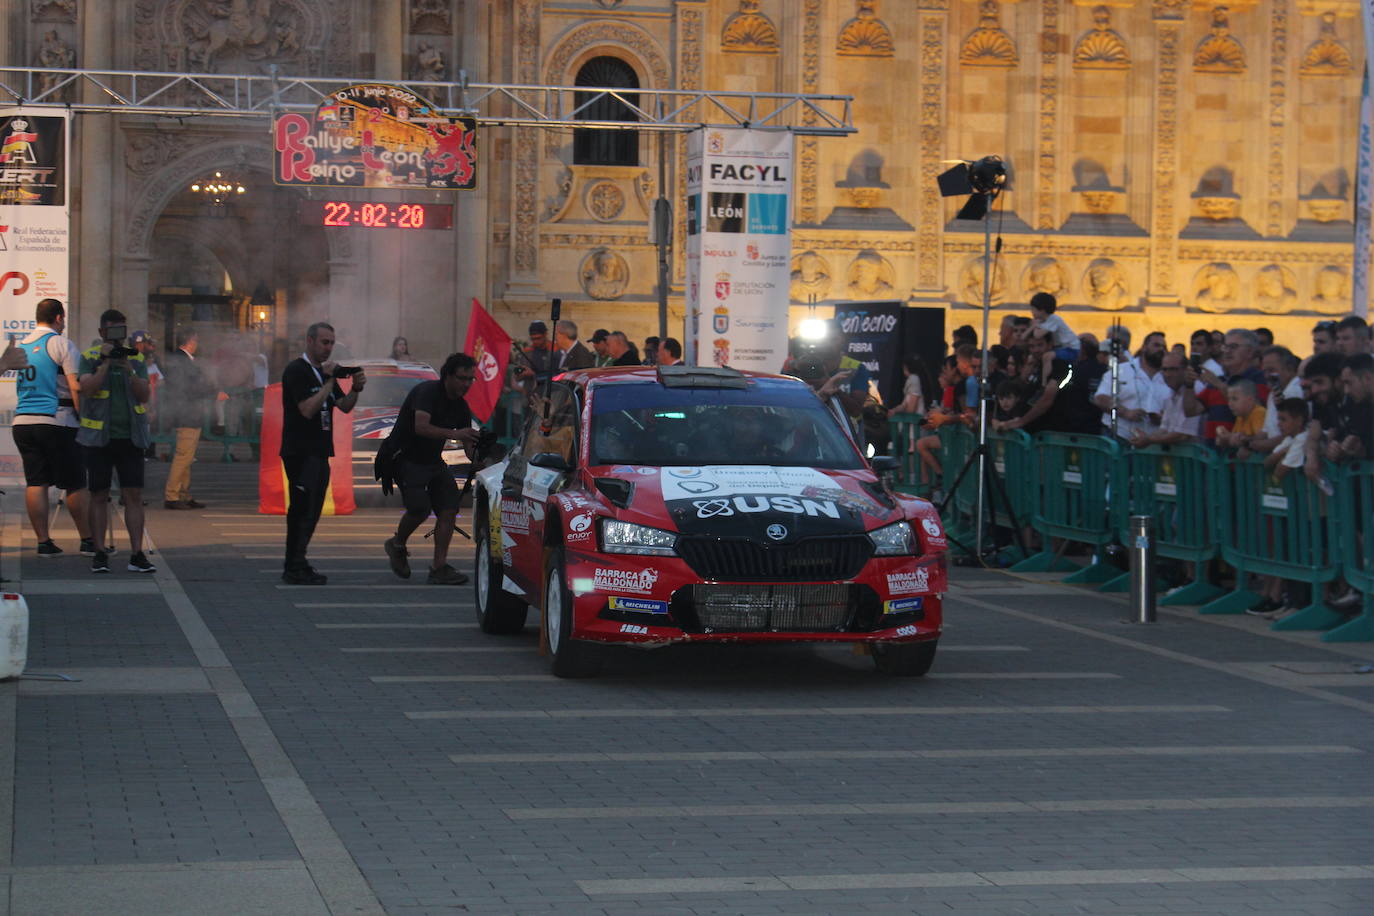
{"x": 352, "y": 214}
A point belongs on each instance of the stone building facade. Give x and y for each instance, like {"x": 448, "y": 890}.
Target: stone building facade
{"x": 1174, "y": 164}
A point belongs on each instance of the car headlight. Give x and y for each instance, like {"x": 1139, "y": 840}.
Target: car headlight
{"x": 893, "y": 540}
{"x": 623, "y": 537}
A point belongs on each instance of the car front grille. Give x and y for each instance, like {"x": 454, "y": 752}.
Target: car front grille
{"x": 810, "y": 560}
{"x": 771, "y": 608}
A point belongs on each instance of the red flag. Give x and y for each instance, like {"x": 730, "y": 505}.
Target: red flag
{"x": 489, "y": 345}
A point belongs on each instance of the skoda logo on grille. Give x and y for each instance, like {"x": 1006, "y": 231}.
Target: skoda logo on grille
{"x": 777, "y": 532}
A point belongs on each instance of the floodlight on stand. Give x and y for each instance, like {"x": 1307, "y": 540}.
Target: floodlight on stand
{"x": 981, "y": 180}
{"x": 812, "y": 330}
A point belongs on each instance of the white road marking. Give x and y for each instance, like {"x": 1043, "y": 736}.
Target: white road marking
{"x": 728, "y": 712}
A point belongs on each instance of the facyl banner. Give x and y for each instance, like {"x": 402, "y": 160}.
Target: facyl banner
{"x": 35, "y": 219}
{"x": 739, "y": 247}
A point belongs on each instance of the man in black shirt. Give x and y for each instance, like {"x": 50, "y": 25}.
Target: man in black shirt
{"x": 432, "y": 413}
{"x": 1049, "y": 411}
{"x": 309, "y": 394}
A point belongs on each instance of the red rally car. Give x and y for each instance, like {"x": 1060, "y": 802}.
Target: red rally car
{"x": 679, "y": 504}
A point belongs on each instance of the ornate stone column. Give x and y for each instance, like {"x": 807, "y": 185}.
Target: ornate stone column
{"x": 933, "y": 94}
{"x": 1280, "y": 187}
{"x": 1163, "y": 288}
{"x": 1047, "y": 218}
{"x": 808, "y": 148}
{"x": 524, "y": 236}
{"x": 690, "y": 16}
{"x": 98, "y": 168}
{"x": 389, "y": 27}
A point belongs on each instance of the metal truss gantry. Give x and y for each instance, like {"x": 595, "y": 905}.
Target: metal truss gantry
{"x": 259, "y": 96}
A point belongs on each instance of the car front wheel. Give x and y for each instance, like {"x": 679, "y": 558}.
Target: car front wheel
{"x": 571, "y": 657}
{"x": 904, "y": 659}
{"x": 497, "y": 611}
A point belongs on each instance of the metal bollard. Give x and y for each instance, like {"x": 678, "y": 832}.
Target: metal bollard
{"x": 1142, "y": 548}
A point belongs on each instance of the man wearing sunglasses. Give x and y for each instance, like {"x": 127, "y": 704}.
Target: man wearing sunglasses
{"x": 432, "y": 413}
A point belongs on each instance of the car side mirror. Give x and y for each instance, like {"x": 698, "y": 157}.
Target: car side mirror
{"x": 885, "y": 464}
{"x": 552, "y": 461}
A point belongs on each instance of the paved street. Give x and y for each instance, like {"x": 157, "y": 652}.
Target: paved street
{"x": 232, "y": 745}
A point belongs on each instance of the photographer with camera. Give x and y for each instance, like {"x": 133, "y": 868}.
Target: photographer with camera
{"x": 310, "y": 391}
{"x": 114, "y": 392}
{"x": 837, "y": 378}
{"x": 432, "y": 413}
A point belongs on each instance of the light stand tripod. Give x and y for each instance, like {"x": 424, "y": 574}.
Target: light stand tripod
{"x": 984, "y": 180}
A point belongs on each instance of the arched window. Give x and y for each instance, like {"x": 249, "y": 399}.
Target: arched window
{"x": 606, "y": 147}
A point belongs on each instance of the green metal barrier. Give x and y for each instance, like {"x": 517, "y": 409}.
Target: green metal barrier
{"x": 1013, "y": 463}
{"x": 1176, "y": 485}
{"x": 957, "y": 442}
{"x": 1286, "y": 528}
{"x": 1355, "y": 493}
{"x": 906, "y": 431}
{"x": 1081, "y": 482}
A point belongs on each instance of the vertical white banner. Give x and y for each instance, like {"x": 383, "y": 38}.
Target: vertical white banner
{"x": 35, "y": 220}
{"x": 739, "y": 247}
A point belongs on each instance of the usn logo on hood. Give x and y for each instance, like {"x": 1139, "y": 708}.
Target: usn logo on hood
{"x": 724, "y": 507}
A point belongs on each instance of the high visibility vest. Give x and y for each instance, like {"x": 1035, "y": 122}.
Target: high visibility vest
{"x": 95, "y": 412}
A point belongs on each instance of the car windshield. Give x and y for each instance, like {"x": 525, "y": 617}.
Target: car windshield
{"x": 771, "y": 422}
{"x": 387, "y": 390}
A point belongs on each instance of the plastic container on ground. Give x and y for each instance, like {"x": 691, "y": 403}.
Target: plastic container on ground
{"x": 14, "y": 635}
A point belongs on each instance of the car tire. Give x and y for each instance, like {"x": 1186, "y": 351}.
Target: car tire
{"x": 498, "y": 611}
{"x": 904, "y": 659}
{"x": 573, "y": 658}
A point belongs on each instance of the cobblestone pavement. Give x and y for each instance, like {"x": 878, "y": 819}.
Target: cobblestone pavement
{"x": 232, "y": 745}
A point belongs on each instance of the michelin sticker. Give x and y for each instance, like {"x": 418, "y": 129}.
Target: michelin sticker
{"x": 639, "y": 581}
{"x": 908, "y": 583}
{"x": 903, "y": 605}
{"x": 637, "y": 605}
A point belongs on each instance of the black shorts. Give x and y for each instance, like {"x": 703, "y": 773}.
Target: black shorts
{"x": 117, "y": 457}
{"x": 51, "y": 456}
{"x": 426, "y": 487}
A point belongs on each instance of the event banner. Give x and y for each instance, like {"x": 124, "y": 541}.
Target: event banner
{"x": 874, "y": 333}
{"x": 739, "y": 248}
{"x": 376, "y": 136}
{"x": 34, "y": 236}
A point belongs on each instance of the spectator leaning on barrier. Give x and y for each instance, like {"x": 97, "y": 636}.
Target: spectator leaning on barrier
{"x": 1323, "y": 337}
{"x": 1048, "y": 411}
{"x": 186, "y": 398}
{"x": 1321, "y": 386}
{"x": 1280, "y": 368}
{"x": 309, "y": 394}
{"x": 1354, "y": 436}
{"x": 1265, "y": 337}
{"x": 45, "y": 426}
{"x": 114, "y": 392}
{"x": 1352, "y": 336}
{"x": 1288, "y": 455}
{"x": 1242, "y": 398}
{"x": 1180, "y": 414}
{"x": 1138, "y": 395}
{"x": 1239, "y": 360}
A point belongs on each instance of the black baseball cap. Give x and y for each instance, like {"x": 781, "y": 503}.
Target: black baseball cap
{"x": 600, "y": 334}
{"x": 538, "y": 327}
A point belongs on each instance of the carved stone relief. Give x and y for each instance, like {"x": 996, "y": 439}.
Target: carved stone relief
{"x": 1275, "y": 289}
{"x": 1169, "y": 9}
{"x": 145, "y": 153}
{"x": 604, "y": 200}
{"x": 53, "y": 53}
{"x": 1046, "y": 217}
{"x": 1277, "y": 172}
{"x": 988, "y": 45}
{"x": 1332, "y": 292}
{"x": 604, "y": 274}
{"x": 748, "y": 31}
{"x": 1219, "y": 52}
{"x": 865, "y": 35}
{"x": 1327, "y": 56}
{"x": 431, "y": 17}
{"x": 1164, "y": 229}
{"x": 1044, "y": 275}
{"x": 1216, "y": 287}
{"x": 52, "y": 10}
{"x": 810, "y": 277}
{"x": 1103, "y": 48}
{"x": 429, "y": 64}
{"x": 932, "y": 112}
{"x": 971, "y": 281}
{"x": 244, "y": 36}
{"x": 870, "y": 276}
{"x": 1105, "y": 283}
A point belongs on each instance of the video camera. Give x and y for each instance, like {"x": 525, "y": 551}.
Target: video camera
{"x": 482, "y": 448}
{"x": 115, "y": 334}
{"x": 346, "y": 371}
{"x": 816, "y": 342}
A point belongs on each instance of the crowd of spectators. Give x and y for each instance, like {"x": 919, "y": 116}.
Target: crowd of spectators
{"x": 1234, "y": 392}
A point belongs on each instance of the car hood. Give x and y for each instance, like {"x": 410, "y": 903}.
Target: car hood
{"x": 780, "y": 504}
